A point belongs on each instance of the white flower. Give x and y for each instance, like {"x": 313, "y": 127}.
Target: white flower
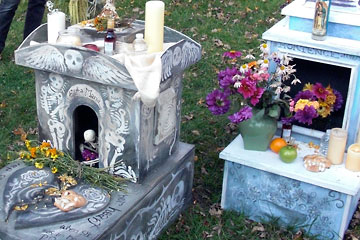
{"x": 278, "y": 90}
{"x": 295, "y": 81}
{"x": 249, "y": 56}
{"x": 281, "y": 70}
{"x": 264, "y": 48}
{"x": 237, "y": 84}
{"x": 264, "y": 63}
{"x": 286, "y": 89}
{"x": 286, "y": 60}
{"x": 244, "y": 68}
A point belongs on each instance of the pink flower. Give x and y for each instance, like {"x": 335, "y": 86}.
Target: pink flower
{"x": 247, "y": 88}
{"x": 232, "y": 54}
{"x": 257, "y": 95}
{"x": 320, "y": 91}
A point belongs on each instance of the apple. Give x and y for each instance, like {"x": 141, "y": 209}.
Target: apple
{"x": 288, "y": 154}
{"x": 92, "y": 47}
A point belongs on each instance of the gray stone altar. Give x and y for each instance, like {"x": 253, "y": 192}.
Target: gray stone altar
{"x": 79, "y": 89}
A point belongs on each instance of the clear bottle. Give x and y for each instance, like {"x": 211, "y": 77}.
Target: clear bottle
{"x": 324, "y": 142}
{"x": 286, "y": 131}
{"x": 139, "y": 43}
{"x": 110, "y": 38}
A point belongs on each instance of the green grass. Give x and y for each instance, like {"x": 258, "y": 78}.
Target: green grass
{"x": 218, "y": 26}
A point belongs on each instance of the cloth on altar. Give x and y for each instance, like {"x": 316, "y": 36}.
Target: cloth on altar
{"x": 145, "y": 69}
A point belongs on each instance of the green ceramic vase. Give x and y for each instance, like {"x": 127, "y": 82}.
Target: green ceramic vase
{"x": 258, "y": 131}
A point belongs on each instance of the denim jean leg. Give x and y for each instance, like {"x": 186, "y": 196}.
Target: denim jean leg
{"x": 34, "y": 15}
{"x": 7, "y": 12}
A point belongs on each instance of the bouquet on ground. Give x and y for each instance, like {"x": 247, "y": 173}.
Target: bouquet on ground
{"x": 255, "y": 85}
{"x": 314, "y": 101}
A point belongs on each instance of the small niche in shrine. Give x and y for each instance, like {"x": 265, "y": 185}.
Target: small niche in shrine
{"x": 84, "y": 119}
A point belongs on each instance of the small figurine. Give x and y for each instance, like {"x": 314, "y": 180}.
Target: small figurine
{"x": 89, "y": 150}
{"x": 69, "y": 200}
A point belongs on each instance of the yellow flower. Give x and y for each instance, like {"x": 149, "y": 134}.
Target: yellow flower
{"x": 54, "y": 170}
{"x": 27, "y": 144}
{"x": 308, "y": 86}
{"x": 22, "y": 155}
{"x": 301, "y": 103}
{"x": 324, "y": 109}
{"x": 39, "y": 165}
{"x": 330, "y": 98}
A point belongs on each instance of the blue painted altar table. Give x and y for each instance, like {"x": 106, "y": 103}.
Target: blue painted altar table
{"x": 260, "y": 185}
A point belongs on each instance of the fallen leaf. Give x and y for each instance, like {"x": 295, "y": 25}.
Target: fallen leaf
{"x": 20, "y": 131}
{"x": 259, "y": 228}
{"x": 218, "y": 42}
{"x": 196, "y": 158}
{"x": 3, "y": 104}
{"x": 196, "y": 132}
{"x": 203, "y": 171}
{"x": 215, "y": 210}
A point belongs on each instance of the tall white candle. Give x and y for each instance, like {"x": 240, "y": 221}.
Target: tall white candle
{"x": 337, "y": 145}
{"x": 56, "y": 23}
{"x": 154, "y": 25}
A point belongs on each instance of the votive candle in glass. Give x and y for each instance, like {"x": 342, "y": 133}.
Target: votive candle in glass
{"x": 353, "y": 158}
{"x": 154, "y": 25}
{"x": 337, "y": 143}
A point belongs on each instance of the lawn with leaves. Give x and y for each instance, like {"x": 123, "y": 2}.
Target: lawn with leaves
{"x": 219, "y": 26}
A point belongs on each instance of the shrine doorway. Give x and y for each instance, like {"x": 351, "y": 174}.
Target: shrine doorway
{"x": 84, "y": 118}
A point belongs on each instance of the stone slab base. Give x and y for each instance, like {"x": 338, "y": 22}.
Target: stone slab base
{"x": 140, "y": 213}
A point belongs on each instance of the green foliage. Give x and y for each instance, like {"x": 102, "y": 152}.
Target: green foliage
{"x": 218, "y": 26}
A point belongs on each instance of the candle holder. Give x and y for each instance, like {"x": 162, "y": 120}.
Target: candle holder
{"x": 337, "y": 143}
{"x": 322, "y": 8}
{"x": 353, "y": 158}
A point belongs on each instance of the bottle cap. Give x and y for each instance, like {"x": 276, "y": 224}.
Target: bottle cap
{"x": 139, "y": 36}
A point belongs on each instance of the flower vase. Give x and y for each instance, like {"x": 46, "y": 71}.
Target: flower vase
{"x": 258, "y": 131}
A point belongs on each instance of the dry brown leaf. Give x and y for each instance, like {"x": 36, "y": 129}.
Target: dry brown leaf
{"x": 189, "y": 117}
{"x": 203, "y": 171}
{"x": 20, "y": 131}
{"x": 215, "y": 210}
{"x": 259, "y": 228}
{"x": 196, "y": 132}
{"x": 353, "y": 237}
{"x": 298, "y": 235}
{"x": 196, "y": 158}
{"x": 218, "y": 42}
{"x": 201, "y": 101}
{"x": 3, "y": 104}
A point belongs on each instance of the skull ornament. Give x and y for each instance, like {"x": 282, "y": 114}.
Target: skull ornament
{"x": 74, "y": 60}
{"x": 69, "y": 200}
{"x": 56, "y": 82}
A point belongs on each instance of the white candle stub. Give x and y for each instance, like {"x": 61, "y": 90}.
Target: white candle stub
{"x": 154, "y": 25}
{"x": 353, "y": 158}
{"x": 56, "y": 23}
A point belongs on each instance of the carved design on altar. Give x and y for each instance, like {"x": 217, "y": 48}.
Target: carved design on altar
{"x": 167, "y": 108}
{"x": 117, "y": 126}
{"x": 284, "y": 197}
{"x": 47, "y": 58}
{"x": 102, "y": 70}
{"x": 179, "y": 57}
{"x": 159, "y": 212}
{"x": 52, "y": 101}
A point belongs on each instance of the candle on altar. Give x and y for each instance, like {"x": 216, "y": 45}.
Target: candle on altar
{"x": 56, "y": 23}
{"x": 353, "y": 158}
{"x": 337, "y": 143}
{"x": 154, "y": 25}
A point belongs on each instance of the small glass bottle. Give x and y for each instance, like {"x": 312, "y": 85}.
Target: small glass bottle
{"x": 110, "y": 38}
{"x": 139, "y": 43}
{"x": 324, "y": 142}
{"x": 286, "y": 131}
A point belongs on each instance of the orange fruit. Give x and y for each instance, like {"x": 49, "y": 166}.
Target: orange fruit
{"x": 277, "y": 143}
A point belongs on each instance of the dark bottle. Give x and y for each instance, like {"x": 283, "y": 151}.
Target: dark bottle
{"x": 110, "y": 38}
